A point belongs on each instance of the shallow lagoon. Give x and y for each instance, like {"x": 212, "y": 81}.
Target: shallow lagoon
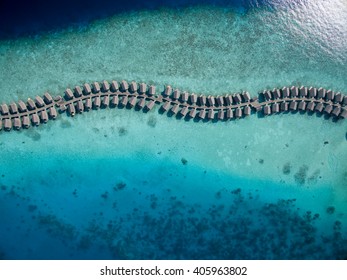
{"x": 127, "y": 185}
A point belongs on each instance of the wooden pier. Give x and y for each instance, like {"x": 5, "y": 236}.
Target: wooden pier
{"x": 141, "y": 96}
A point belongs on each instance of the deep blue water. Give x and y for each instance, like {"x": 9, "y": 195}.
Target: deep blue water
{"x": 32, "y": 17}
{"x": 22, "y": 18}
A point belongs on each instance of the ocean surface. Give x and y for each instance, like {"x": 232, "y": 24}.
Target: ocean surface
{"x": 122, "y": 184}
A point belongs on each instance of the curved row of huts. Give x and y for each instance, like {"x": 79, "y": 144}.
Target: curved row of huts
{"x": 182, "y": 104}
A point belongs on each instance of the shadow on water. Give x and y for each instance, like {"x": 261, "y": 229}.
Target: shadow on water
{"x": 24, "y": 18}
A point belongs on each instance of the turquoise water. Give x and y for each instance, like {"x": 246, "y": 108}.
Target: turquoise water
{"x": 121, "y": 184}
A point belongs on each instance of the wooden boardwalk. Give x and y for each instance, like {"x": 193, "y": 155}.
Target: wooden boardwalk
{"x": 186, "y": 105}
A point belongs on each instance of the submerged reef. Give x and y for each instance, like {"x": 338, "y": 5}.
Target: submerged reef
{"x": 141, "y": 96}
{"x": 241, "y": 229}
{"x": 233, "y": 225}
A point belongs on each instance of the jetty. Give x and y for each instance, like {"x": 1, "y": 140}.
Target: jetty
{"x": 172, "y": 101}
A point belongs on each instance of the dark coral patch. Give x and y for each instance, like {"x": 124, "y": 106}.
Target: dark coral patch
{"x": 32, "y": 208}
{"x": 152, "y": 121}
{"x": 300, "y": 176}
{"x": 119, "y": 186}
{"x": 122, "y": 131}
{"x": 330, "y": 210}
{"x": 286, "y": 168}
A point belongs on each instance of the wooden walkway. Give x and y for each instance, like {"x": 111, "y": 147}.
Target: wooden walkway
{"x": 186, "y": 105}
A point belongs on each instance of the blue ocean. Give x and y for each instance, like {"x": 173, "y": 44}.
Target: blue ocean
{"x": 124, "y": 184}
